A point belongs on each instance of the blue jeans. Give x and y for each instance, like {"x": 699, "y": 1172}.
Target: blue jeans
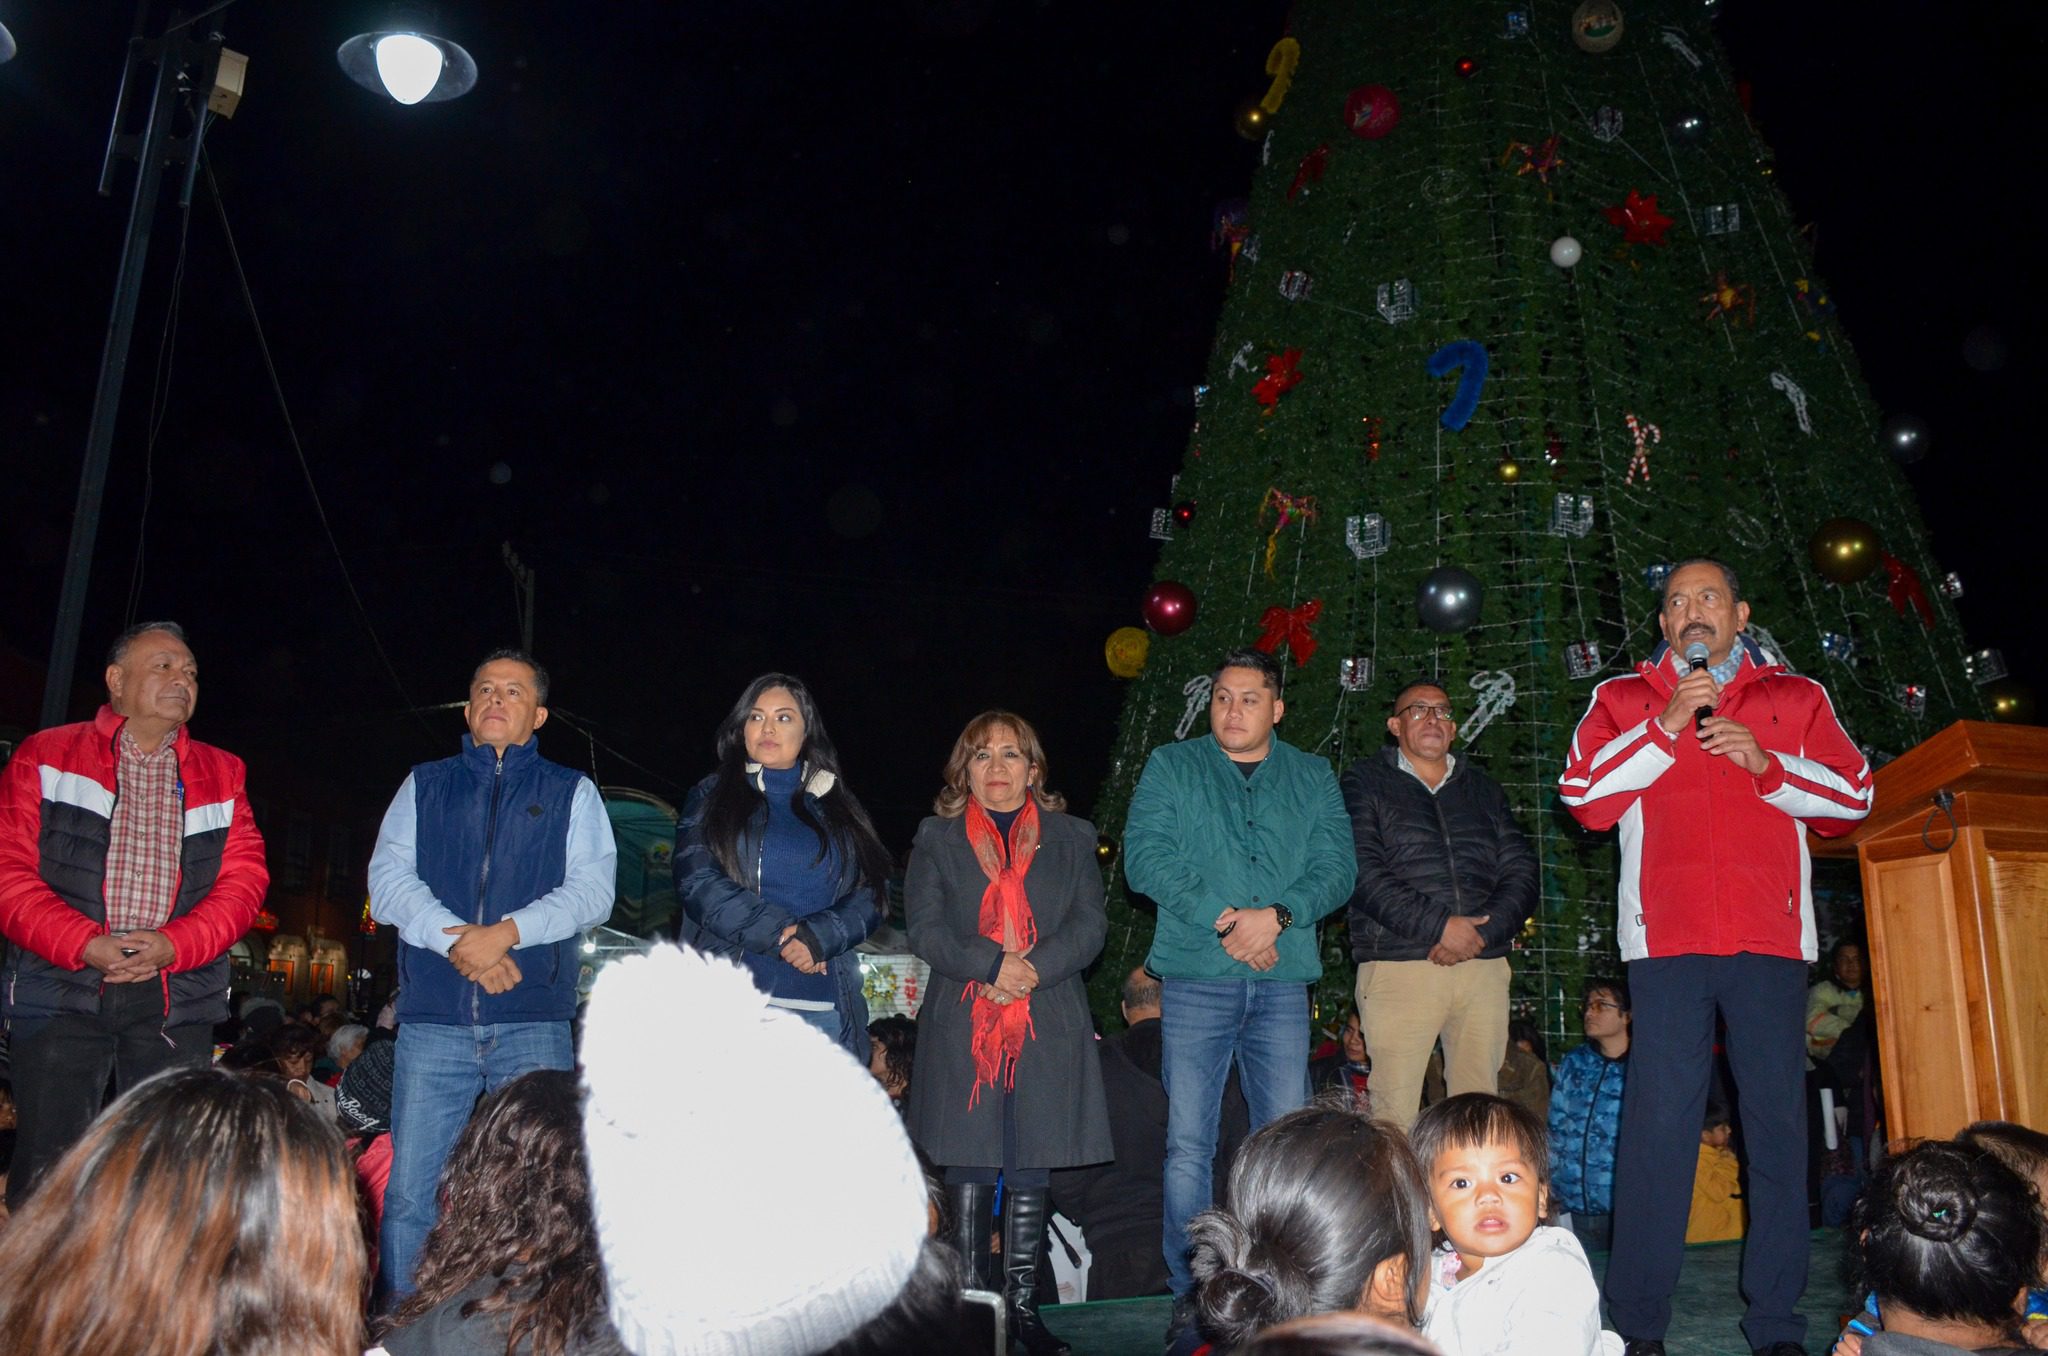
{"x": 441, "y": 1071}
{"x": 1204, "y": 1024}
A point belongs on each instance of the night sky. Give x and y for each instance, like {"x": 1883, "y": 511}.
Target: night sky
{"x": 853, "y": 340}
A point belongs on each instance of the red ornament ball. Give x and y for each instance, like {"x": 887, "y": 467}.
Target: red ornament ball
{"x": 1169, "y": 607}
{"x": 1465, "y": 67}
{"x": 1184, "y": 512}
{"x": 1371, "y": 111}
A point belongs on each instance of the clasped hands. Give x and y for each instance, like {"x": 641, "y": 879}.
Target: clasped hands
{"x": 1719, "y": 735}
{"x": 1251, "y": 936}
{"x": 1016, "y": 979}
{"x": 483, "y": 953}
{"x": 129, "y": 957}
{"x": 1461, "y": 940}
{"x": 797, "y": 954}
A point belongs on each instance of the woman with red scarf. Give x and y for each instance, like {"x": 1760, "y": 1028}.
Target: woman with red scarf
{"x": 1004, "y": 898}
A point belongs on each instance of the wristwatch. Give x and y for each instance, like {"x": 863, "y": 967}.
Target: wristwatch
{"x": 1285, "y": 915}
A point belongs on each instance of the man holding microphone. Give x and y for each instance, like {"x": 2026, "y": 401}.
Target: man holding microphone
{"x": 1713, "y": 766}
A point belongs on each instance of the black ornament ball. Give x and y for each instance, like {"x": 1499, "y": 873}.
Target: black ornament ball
{"x": 1448, "y": 599}
{"x": 1906, "y": 437}
{"x": 2011, "y": 701}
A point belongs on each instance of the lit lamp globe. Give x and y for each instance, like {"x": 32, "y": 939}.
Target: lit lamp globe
{"x": 409, "y": 66}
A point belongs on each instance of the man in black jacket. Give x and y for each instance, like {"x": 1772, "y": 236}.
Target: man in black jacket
{"x": 1445, "y": 882}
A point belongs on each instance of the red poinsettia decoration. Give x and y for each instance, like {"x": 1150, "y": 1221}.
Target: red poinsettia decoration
{"x": 1313, "y": 167}
{"x": 1903, "y": 586}
{"x": 1283, "y": 374}
{"x": 1640, "y": 221}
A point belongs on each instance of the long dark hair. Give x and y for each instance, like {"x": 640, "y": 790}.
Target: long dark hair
{"x": 1317, "y": 1200}
{"x": 203, "y": 1211}
{"x": 734, "y": 801}
{"x": 517, "y": 1189}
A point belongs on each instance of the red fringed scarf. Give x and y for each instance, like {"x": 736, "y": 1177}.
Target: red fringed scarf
{"x": 1000, "y": 1029}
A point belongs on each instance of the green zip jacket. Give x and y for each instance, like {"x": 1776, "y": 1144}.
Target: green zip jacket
{"x": 1201, "y": 837}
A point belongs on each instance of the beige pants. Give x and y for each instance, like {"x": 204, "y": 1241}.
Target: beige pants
{"x": 1404, "y": 1006}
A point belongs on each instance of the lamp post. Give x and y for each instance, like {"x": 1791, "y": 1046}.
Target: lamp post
{"x": 196, "y": 80}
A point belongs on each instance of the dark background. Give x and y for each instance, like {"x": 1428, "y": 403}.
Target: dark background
{"x": 854, "y": 340}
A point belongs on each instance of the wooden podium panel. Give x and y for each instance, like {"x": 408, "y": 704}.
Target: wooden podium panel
{"x": 1958, "y": 924}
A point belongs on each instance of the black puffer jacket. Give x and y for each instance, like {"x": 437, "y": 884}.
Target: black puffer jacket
{"x": 1423, "y": 858}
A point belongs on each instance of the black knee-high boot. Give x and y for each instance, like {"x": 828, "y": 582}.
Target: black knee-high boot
{"x": 1024, "y": 1218}
{"x": 973, "y": 1206}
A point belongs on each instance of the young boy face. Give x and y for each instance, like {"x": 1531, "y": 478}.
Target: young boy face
{"x": 1486, "y": 1199}
{"x": 1719, "y": 1137}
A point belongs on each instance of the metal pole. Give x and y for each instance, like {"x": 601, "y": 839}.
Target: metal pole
{"x": 171, "y": 54}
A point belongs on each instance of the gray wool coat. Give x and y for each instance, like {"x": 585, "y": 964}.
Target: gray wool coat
{"x": 1062, "y": 1119}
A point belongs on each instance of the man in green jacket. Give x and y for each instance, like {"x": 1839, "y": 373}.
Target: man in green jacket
{"x": 1241, "y": 840}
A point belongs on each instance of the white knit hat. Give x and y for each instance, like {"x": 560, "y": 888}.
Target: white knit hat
{"x": 755, "y": 1193}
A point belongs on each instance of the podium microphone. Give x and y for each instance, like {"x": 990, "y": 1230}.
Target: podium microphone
{"x": 1695, "y": 660}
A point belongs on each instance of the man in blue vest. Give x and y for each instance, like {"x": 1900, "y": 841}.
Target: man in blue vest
{"x": 490, "y": 864}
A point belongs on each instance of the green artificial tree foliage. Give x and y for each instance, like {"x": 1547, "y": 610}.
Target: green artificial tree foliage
{"x": 1719, "y": 339}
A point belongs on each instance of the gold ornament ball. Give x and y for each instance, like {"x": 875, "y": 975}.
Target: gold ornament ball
{"x": 1844, "y": 550}
{"x": 1105, "y": 849}
{"x": 1253, "y": 120}
{"x": 2011, "y": 702}
{"x": 1510, "y": 470}
{"x": 1125, "y": 651}
{"x": 1596, "y": 25}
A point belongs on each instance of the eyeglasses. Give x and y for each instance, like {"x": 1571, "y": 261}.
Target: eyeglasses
{"x": 1602, "y": 1005}
{"x": 1417, "y": 710}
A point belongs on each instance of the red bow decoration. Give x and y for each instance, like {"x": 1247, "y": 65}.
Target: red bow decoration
{"x": 1640, "y": 221}
{"x": 1290, "y": 626}
{"x": 1905, "y": 587}
{"x": 1283, "y": 374}
{"x": 1313, "y": 167}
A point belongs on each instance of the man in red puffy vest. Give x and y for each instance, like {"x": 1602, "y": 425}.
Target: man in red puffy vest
{"x": 1713, "y": 761}
{"x": 129, "y": 864}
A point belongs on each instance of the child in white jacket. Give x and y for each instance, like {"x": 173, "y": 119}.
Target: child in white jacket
{"x": 1504, "y": 1283}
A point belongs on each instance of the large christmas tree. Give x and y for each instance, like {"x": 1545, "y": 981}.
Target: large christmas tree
{"x": 1515, "y": 295}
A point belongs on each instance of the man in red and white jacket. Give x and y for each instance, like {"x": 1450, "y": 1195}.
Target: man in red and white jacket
{"x": 129, "y": 864}
{"x": 1713, "y": 772}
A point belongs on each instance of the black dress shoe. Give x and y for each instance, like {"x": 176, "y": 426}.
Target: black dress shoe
{"x": 1643, "y": 1346}
{"x": 1780, "y": 1349}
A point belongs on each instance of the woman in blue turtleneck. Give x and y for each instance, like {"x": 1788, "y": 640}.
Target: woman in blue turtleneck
{"x": 777, "y": 864}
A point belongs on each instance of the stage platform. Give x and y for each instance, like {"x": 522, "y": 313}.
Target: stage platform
{"x": 1705, "y": 1312}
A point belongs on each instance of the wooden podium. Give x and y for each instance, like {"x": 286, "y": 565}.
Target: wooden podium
{"x": 1959, "y": 938}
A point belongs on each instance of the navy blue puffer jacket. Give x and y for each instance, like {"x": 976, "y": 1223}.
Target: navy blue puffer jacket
{"x": 726, "y": 917}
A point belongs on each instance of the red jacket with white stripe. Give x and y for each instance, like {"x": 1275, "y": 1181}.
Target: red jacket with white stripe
{"x": 1713, "y": 860}
{"x": 56, "y": 813}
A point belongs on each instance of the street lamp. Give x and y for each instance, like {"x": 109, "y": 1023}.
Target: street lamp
{"x": 411, "y": 66}
{"x": 197, "y": 79}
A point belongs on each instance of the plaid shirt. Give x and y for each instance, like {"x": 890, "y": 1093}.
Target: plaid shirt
{"x": 146, "y": 837}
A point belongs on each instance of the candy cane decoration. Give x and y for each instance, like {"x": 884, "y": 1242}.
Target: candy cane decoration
{"x": 1496, "y": 694}
{"x": 1197, "y": 690}
{"x": 1796, "y": 396}
{"x": 1644, "y": 433}
{"x": 1676, "y": 42}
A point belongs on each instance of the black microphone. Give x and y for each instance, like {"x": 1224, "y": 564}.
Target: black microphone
{"x": 1696, "y": 659}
